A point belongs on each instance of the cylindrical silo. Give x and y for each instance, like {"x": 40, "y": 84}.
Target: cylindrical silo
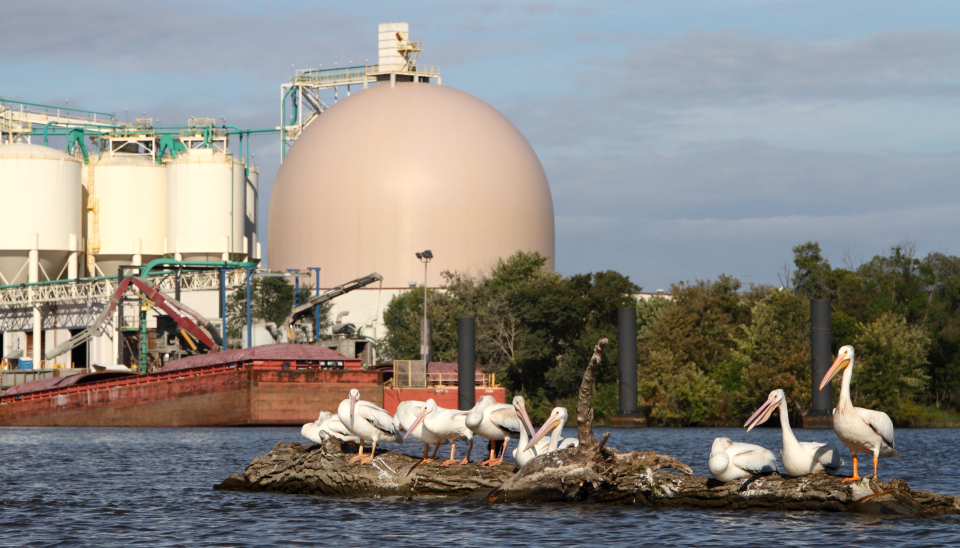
{"x": 131, "y": 195}
{"x": 40, "y": 193}
{"x": 205, "y": 207}
{"x": 252, "y": 202}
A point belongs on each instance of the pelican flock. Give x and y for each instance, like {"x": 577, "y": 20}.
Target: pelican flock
{"x": 358, "y": 421}
{"x": 861, "y": 430}
{"x": 799, "y": 458}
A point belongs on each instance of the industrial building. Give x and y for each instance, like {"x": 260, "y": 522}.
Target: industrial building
{"x": 379, "y": 161}
{"x": 401, "y": 167}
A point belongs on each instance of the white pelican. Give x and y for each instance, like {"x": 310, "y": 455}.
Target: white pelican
{"x": 861, "y": 430}
{"x": 734, "y": 460}
{"x": 800, "y": 458}
{"x": 368, "y": 422}
{"x": 494, "y": 421}
{"x": 446, "y": 424}
{"x": 538, "y": 445}
{"x": 325, "y": 427}
{"x": 405, "y": 421}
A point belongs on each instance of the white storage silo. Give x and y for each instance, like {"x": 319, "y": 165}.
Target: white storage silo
{"x": 205, "y": 207}
{"x": 40, "y": 193}
{"x": 131, "y": 194}
{"x": 252, "y": 199}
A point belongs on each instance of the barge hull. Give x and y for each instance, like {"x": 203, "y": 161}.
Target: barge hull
{"x": 209, "y": 396}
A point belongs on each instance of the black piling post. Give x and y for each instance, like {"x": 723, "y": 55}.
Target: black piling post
{"x": 466, "y": 362}
{"x": 628, "y": 415}
{"x": 820, "y": 415}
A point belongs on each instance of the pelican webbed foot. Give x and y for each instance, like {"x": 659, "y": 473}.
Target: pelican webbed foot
{"x": 449, "y": 462}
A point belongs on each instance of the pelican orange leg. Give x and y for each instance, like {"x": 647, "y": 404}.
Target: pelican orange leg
{"x": 466, "y": 459}
{"x": 451, "y": 460}
{"x": 359, "y": 455}
{"x": 875, "y": 466}
{"x": 373, "y": 453}
{"x": 855, "y": 476}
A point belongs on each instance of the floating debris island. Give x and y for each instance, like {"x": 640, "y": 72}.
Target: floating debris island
{"x": 591, "y": 473}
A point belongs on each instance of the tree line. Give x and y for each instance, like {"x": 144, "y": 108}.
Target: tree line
{"x": 711, "y": 351}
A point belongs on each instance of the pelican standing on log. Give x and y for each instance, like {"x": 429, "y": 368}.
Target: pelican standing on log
{"x": 368, "y": 422}
{"x": 731, "y": 460}
{"x": 405, "y": 420}
{"x": 494, "y": 421}
{"x": 861, "y": 430}
{"x": 445, "y": 424}
{"x": 800, "y": 458}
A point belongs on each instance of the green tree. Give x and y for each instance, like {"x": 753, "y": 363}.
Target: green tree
{"x": 271, "y": 300}
{"x": 889, "y": 372}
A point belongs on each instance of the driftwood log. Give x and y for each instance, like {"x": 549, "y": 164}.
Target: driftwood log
{"x": 591, "y": 472}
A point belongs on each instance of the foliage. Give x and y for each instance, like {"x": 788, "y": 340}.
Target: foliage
{"x": 889, "y": 369}
{"x": 271, "y": 300}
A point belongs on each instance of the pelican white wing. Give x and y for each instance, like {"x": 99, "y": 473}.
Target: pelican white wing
{"x": 753, "y": 458}
{"x": 381, "y": 420}
{"x": 880, "y": 423}
{"x": 505, "y": 418}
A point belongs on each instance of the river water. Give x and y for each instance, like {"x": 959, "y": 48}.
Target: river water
{"x": 153, "y": 487}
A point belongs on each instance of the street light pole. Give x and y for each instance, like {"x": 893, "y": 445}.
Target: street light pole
{"x": 424, "y": 258}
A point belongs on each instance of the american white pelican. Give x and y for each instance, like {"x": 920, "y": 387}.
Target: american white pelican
{"x": 734, "y": 460}
{"x": 555, "y": 423}
{"x": 447, "y": 425}
{"x": 368, "y": 422}
{"x": 861, "y": 430}
{"x": 494, "y": 421}
{"x": 405, "y": 421}
{"x": 327, "y": 426}
{"x": 799, "y": 458}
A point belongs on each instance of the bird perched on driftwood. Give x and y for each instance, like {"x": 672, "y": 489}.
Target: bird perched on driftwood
{"x": 369, "y": 422}
{"x": 731, "y": 460}
{"x": 861, "y": 430}
{"x": 800, "y": 458}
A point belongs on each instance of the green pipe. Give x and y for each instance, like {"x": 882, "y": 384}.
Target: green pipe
{"x": 112, "y": 116}
{"x": 147, "y": 271}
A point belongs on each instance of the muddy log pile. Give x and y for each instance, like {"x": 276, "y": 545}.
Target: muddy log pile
{"x": 591, "y": 472}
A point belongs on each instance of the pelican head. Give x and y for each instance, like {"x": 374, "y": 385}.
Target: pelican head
{"x": 761, "y": 415}
{"x": 520, "y": 405}
{"x": 557, "y": 418}
{"x": 324, "y": 417}
{"x": 720, "y": 445}
{"x": 354, "y": 396}
{"x": 429, "y": 406}
{"x": 843, "y": 361}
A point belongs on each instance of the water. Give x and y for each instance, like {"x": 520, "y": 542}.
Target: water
{"x": 129, "y": 487}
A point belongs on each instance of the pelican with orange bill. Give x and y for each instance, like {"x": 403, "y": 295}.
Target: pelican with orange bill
{"x": 861, "y": 430}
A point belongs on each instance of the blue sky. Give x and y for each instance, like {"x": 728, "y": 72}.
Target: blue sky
{"x": 682, "y": 140}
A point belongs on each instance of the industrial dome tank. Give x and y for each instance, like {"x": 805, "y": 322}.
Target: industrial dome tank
{"x": 131, "y": 194}
{"x": 205, "y": 207}
{"x": 390, "y": 171}
{"x": 40, "y": 208}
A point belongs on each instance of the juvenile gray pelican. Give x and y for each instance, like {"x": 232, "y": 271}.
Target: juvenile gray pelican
{"x": 861, "y": 430}
{"x": 731, "y": 460}
{"x": 368, "y": 422}
{"x": 800, "y": 458}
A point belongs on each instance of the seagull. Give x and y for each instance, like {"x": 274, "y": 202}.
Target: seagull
{"x": 368, "y": 422}
{"x": 861, "y": 430}
{"x": 731, "y": 460}
{"x": 800, "y": 458}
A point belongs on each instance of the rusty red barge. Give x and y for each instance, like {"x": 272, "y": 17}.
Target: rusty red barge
{"x": 267, "y": 385}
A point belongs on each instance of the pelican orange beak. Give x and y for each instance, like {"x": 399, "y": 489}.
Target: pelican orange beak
{"x": 839, "y": 364}
{"x": 423, "y": 413}
{"x": 526, "y": 419}
{"x": 551, "y": 423}
{"x": 353, "y": 403}
{"x": 761, "y": 415}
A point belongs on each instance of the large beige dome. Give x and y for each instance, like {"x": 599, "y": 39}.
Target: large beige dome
{"x": 391, "y": 171}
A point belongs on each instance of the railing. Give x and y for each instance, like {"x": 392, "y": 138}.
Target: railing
{"x": 412, "y": 374}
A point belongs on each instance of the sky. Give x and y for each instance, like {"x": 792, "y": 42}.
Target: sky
{"x": 682, "y": 139}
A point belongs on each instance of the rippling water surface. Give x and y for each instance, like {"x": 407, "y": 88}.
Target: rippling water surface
{"x": 122, "y": 487}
